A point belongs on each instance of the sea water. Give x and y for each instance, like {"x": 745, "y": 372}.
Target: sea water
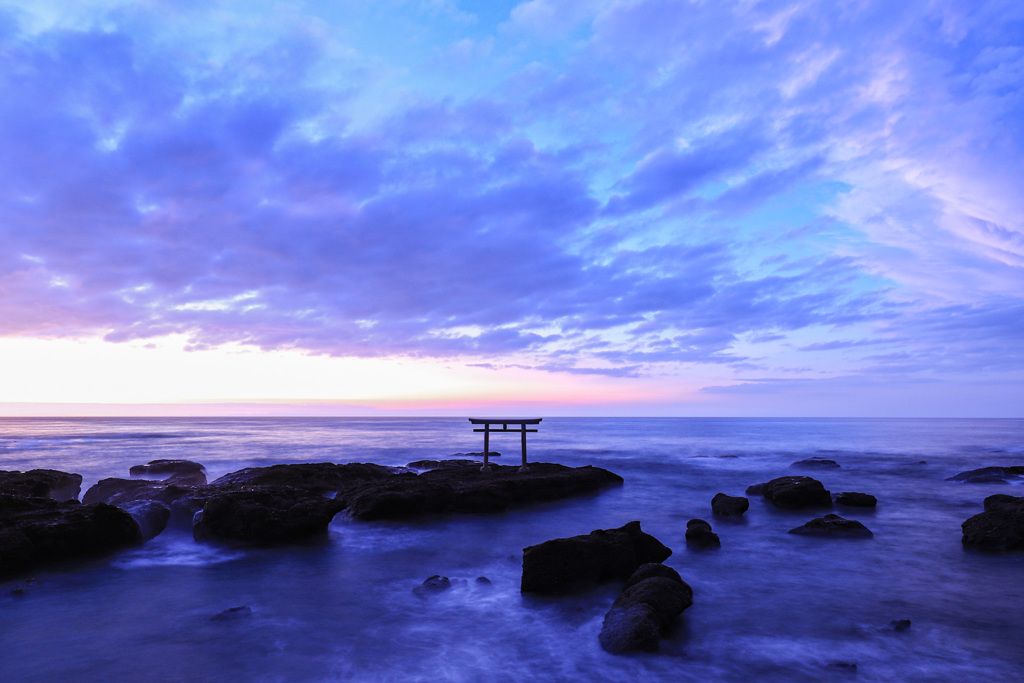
{"x": 768, "y": 605}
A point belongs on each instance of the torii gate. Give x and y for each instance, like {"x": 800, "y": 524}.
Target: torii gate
{"x": 504, "y": 422}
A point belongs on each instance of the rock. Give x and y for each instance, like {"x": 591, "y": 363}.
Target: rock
{"x": 490, "y": 454}
{"x": 563, "y": 564}
{"x": 793, "y": 493}
{"x": 856, "y": 500}
{"x": 988, "y": 475}
{"x": 41, "y": 484}
{"x": 442, "y": 464}
{"x": 263, "y": 516}
{"x": 39, "y": 531}
{"x": 151, "y": 516}
{"x": 899, "y": 624}
{"x": 435, "y": 584}
{"x": 483, "y": 581}
{"x": 700, "y": 536}
{"x": 468, "y": 489}
{"x": 833, "y": 526}
{"x": 650, "y": 570}
{"x": 999, "y": 528}
{"x": 179, "y": 471}
{"x": 729, "y": 506}
{"x": 644, "y": 611}
{"x": 321, "y": 477}
{"x": 817, "y": 463}
{"x": 233, "y": 613}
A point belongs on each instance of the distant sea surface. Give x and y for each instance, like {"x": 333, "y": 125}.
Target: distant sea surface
{"x": 767, "y": 606}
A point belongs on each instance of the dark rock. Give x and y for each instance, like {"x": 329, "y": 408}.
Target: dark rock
{"x": 39, "y": 531}
{"x": 899, "y": 624}
{"x": 184, "y": 472}
{"x": 442, "y": 464}
{"x": 563, "y": 564}
{"x": 490, "y": 454}
{"x": 644, "y": 611}
{"x": 729, "y": 506}
{"x": 988, "y": 475}
{"x": 833, "y": 526}
{"x": 847, "y": 667}
{"x": 151, "y": 516}
{"x": 856, "y": 500}
{"x": 999, "y": 528}
{"x": 483, "y": 581}
{"x": 468, "y": 489}
{"x": 322, "y": 477}
{"x": 41, "y": 484}
{"x": 435, "y": 584}
{"x": 699, "y": 535}
{"x": 817, "y": 463}
{"x": 233, "y": 613}
{"x": 650, "y": 570}
{"x": 756, "y": 489}
{"x": 264, "y": 516}
{"x": 793, "y": 493}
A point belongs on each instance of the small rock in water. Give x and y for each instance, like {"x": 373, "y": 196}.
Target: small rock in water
{"x": 833, "y": 526}
{"x": 644, "y": 610}
{"x": 233, "y": 613}
{"x": 857, "y": 500}
{"x": 989, "y": 475}
{"x": 848, "y": 667}
{"x": 729, "y": 506}
{"x": 819, "y": 463}
{"x": 793, "y": 493}
{"x": 435, "y": 584}
{"x": 483, "y": 581}
{"x": 899, "y": 624}
{"x": 999, "y": 528}
{"x": 699, "y": 535}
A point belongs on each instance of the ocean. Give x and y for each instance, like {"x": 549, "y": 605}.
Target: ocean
{"x": 768, "y": 605}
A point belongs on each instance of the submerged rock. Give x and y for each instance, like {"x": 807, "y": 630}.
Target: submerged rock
{"x": 468, "y": 489}
{"x": 564, "y": 564}
{"x": 151, "y": 516}
{"x": 856, "y": 500}
{"x": 233, "y": 613}
{"x": 989, "y": 475}
{"x": 793, "y": 493}
{"x": 729, "y": 506}
{"x": 817, "y": 463}
{"x": 833, "y": 526}
{"x": 700, "y": 536}
{"x": 41, "y": 484}
{"x": 435, "y": 584}
{"x": 1000, "y": 527}
{"x": 178, "y": 471}
{"x": 38, "y": 531}
{"x": 899, "y": 624}
{"x": 644, "y": 610}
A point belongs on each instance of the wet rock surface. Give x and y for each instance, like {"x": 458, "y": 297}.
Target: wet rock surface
{"x": 36, "y": 531}
{"x": 469, "y": 489}
{"x": 432, "y": 586}
{"x": 41, "y": 484}
{"x": 264, "y": 516}
{"x": 856, "y": 499}
{"x": 644, "y": 611}
{"x": 729, "y": 506}
{"x": 178, "y": 471}
{"x": 833, "y": 526}
{"x": 999, "y": 528}
{"x": 793, "y": 493}
{"x": 816, "y": 463}
{"x": 989, "y": 475}
{"x": 699, "y": 535}
{"x": 565, "y": 564}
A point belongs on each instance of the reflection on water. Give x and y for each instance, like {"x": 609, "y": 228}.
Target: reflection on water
{"x": 768, "y": 605}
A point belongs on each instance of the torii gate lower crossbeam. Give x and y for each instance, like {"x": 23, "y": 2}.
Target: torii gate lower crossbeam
{"x": 504, "y": 422}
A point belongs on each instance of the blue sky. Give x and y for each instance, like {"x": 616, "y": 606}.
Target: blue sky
{"x": 642, "y": 207}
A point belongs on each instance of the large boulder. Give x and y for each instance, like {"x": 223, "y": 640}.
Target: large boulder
{"x": 38, "y": 531}
{"x": 263, "y": 516}
{"x": 989, "y": 475}
{"x": 469, "y": 489}
{"x": 177, "y": 471}
{"x": 564, "y": 564}
{"x": 793, "y": 493}
{"x": 644, "y": 610}
{"x": 999, "y": 528}
{"x": 322, "y": 477}
{"x": 729, "y": 506}
{"x": 833, "y": 526}
{"x": 41, "y": 484}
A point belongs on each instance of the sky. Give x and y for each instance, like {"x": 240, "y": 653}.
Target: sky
{"x": 549, "y": 207}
